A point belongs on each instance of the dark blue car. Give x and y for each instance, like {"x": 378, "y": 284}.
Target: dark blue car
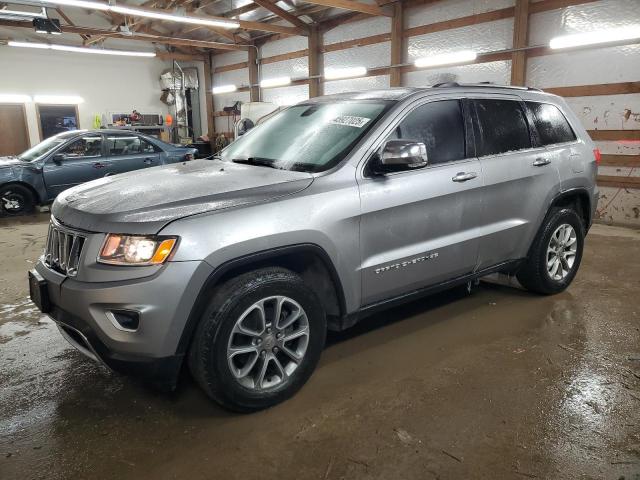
{"x": 38, "y": 175}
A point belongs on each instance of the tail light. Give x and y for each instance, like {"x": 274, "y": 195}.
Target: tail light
{"x": 597, "y": 155}
{"x": 188, "y": 156}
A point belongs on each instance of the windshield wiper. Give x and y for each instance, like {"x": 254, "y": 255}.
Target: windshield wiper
{"x": 257, "y": 161}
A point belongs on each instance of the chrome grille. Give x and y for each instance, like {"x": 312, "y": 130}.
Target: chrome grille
{"x": 63, "y": 249}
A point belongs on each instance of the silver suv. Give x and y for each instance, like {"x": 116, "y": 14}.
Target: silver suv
{"x": 331, "y": 210}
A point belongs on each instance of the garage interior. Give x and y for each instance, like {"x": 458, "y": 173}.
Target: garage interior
{"x": 493, "y": 383}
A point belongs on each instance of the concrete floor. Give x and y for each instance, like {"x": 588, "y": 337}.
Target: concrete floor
{"x": 497, "y": 384}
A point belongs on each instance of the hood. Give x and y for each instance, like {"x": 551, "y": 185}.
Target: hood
{"x": 10, "y": 162}
{"x": 146, "y": 200}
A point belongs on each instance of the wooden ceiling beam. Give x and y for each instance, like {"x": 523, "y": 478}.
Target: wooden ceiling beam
{"x": 140, "y": 38}
{"x": 353, "y": 6}
{"x": 283, "y": 14}
{"x": 244, "y": 24}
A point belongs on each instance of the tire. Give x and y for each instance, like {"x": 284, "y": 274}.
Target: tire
{"x": 16, "y": 200}
{"x": 544, "y": 272}
{"x": 232, "y": 312}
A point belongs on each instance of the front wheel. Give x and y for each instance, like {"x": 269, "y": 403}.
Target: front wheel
{"x": 555, "y": 254}
{"x": 16, "y": 200}
{"x": 259, "y": 340}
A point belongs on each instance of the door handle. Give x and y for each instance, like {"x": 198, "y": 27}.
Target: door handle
{"x": 541, "y": 162}
{"x": 99, "y": 165}
{"x": 148, "y": 160}
{"x": 464, "y": 176}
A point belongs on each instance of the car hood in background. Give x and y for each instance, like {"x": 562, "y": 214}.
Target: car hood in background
{"x": 10, "y": 162}
{"x": 146, "y": 200}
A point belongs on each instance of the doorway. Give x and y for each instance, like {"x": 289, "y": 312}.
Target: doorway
{"x": 54, "y": 119}
{"x": 14, "y": 135}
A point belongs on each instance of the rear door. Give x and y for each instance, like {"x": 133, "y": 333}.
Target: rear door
{"x": 519, "y": 178}
{"x": 128, "y": 151}
{"x": 82, "y": 160}
{"x": 418, "y": 227}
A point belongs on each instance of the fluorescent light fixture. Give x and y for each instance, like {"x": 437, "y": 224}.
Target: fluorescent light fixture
{"x": 43, "y": 46}
{"x": 137, "y": 12}
{"x": 58, "y": 99}
{"x": 78, "y": 3}
{"x": 275, "y": 82}
{"x": 463, "y": 56}
{"x": 21, "y": 15}
{"x": 68, "y": 48}
{"x": 14, "y": 98}
{"x": 600, "y": 36}
{"x": 224, "y": 89}
{"x": 348, "y": 72}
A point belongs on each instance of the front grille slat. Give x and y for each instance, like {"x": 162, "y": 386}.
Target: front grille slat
{"x": 63, "y": 249}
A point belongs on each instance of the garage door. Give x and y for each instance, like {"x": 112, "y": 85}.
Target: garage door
{"x": 14, "y": 138}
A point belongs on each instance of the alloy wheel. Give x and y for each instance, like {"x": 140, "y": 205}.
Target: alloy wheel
{"x": 12, "y": 202}
{"x": 268, "y": 342}
{"x": 561, "y": 252}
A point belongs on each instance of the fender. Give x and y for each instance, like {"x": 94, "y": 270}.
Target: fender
{"x": 248, "y": 260}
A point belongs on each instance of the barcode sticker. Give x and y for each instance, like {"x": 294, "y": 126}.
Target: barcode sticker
{"x": 350, "y": 121}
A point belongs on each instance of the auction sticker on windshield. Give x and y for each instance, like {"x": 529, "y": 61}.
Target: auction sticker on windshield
{"x": 350, "y": 121}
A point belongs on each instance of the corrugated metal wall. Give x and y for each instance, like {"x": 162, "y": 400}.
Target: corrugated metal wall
{"x": 595, "y": 66}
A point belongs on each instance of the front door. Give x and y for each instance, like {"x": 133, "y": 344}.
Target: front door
{"x": 81, "y": 160}
{"x": 128, "y": 151}
{"x": 419, "y": 228}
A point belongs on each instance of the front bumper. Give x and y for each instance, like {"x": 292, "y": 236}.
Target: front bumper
{"x": 164, "y": 302}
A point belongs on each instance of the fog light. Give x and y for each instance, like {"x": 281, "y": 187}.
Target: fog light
{"x": 127, "y": 320}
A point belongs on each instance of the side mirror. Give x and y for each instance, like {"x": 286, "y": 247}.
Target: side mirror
{"x": 58, "y": 158}
{"x": 398, "y": 155}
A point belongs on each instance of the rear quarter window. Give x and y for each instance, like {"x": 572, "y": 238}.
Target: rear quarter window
{"x": 551, "y": 124}
{"x": 501, "y": 127}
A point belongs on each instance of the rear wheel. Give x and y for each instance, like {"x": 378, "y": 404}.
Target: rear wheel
{"x": 259, "y": 340}
{"x": 556, "y": 253}
{"x": 16, "y": 200}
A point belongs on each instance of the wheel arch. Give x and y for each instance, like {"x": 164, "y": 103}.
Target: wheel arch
{"x": 309, "y": 260}
{"x": 580, "y": 200}
{"x": 32, "y": 190}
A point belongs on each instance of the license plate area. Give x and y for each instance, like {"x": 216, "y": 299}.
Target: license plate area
{"x": 39, "y": 292}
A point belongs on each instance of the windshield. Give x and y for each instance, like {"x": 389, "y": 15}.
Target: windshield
{"x": 45, "y": 146}
{"x": 309, "y": 138}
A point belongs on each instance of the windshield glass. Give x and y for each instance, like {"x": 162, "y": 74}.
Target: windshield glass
{"x": 309, "y": 138}
{"x": 45, "y": 146}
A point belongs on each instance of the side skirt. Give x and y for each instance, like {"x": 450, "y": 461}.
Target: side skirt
{"x": 353, "y": 318}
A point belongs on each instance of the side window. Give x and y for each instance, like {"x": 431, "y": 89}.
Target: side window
{"x": 502, "y": 127}
{"x": 118, "y": 145}
{"x": 440, "y": 126}
{"x": 551, "y": 124}
{"x": 87, "y": 146}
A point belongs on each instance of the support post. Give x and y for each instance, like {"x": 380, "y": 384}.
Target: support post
{"x": 520, "y": 38}
{"x": 397, "y": 26}
{"x": 315, "y": 68}
{"x": 209, "y": 96}
{"x": 254, "y": 92}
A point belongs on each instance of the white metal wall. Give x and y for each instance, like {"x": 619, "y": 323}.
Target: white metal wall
{"x": 590, "y": 67}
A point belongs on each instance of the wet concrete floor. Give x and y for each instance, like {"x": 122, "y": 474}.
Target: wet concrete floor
{"x": 499, "y": 384}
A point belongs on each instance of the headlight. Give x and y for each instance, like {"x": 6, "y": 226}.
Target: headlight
{"x": 136, "y": 250}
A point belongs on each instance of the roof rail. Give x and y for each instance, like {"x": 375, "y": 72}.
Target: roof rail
{"x": 483, "y": 84}
{"x": 446, "y": 84}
